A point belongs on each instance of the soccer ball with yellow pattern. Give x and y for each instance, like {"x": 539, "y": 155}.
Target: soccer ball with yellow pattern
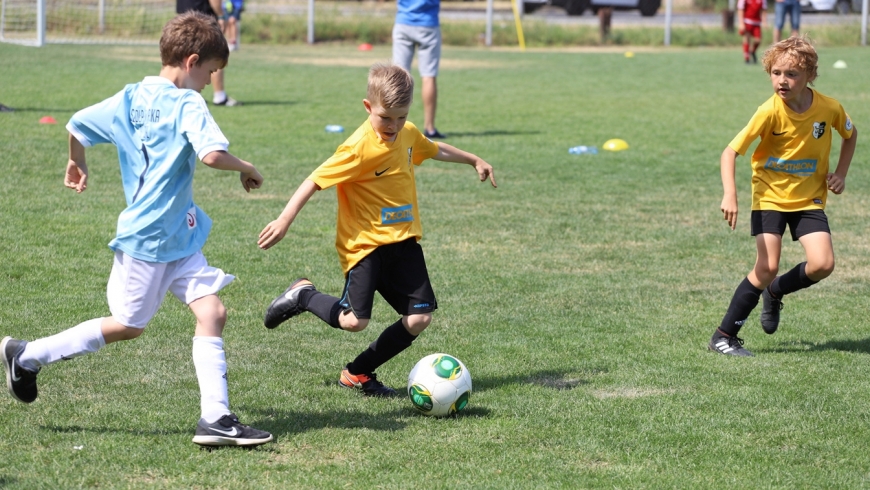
{"x": 439, "y": 385}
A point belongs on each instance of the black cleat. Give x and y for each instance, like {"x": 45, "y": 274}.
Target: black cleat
{"x": 20, "y": 381}
{"x": 770, "y": 312}
{"x": 228, "y": 431}
{"x": 367, "y": 383}
{"x": 287, "y": 305}
{"x": 730, "y": 346}
{"x": 434, "y": 135}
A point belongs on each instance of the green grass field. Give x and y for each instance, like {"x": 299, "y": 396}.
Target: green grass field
{"x": 581, "y": 293}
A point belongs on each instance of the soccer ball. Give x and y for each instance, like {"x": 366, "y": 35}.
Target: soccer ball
{"x": 439, "y": 385}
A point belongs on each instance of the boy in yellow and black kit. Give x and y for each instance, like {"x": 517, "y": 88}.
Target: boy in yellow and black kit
{"x": 378, "y": 228}
{"x": 790, "y": 183}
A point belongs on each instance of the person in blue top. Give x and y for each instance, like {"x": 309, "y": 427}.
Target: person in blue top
{"x": 417, "y": 27}
{"x": 159, "y": 126}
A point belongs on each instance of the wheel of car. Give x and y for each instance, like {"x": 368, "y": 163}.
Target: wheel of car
{"x": 576, "y": 7}
{"x": 648, "y": 8}
{"x": 529, "y": 7}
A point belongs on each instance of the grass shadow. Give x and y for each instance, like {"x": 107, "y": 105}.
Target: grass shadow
{"x": 69, "y": 429}
{"x": 285, "y": 423}
{"x": 861, "y": 346}
{"x": 493, "y": 132}
{"x": 247, "y": 102}
{"x": 7, "y": 481}
{"x": 41, "y": 110}
{"x": 549, "y": 378}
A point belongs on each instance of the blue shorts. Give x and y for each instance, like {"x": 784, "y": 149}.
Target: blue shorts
{"x": 793, "y": 8}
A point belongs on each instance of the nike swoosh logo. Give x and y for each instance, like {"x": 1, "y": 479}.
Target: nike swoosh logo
{"x": 15, "y": 378}
{"x": 378, "y": 174}
{"x": 778, "y": 134}
{"x": 231, "y": 433}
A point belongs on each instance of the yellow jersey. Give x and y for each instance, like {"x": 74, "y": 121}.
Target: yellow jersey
{"x": 376, "y": 190}
{"x": 790, "y": 164}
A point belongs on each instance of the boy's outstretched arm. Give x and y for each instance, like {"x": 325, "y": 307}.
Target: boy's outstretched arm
{"x": 837, "y": 180}
{"x": 248, "y": 174}
{"x": 275, "y": 231}
{"x": 448, "y": 153}
{"x": 76, "y": 169}
{"x": 727, "y": 163}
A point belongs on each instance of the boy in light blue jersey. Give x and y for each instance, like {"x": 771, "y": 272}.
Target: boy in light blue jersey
{"x": 160, "y": 126}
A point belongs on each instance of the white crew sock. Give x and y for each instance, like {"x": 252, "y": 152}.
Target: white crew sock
{"x": 219, "y": 97}
{"x": 84, "y": 338}
{"x": 211, "y": 372}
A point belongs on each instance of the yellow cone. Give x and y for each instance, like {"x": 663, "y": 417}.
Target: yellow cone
{"x": 629, "y": 54}
{"x": 615, "y": 144}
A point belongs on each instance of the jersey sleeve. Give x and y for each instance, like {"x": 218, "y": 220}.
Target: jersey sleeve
{"x": 197, "y": 124}
{"x": 843, "y": 123}
{"x": 753, "y": 130}
{"x": 741, "y": 4}
{"x": 93, "y": 125}
{"x": 342, "y": 166}
{"x": 424, "y": 149}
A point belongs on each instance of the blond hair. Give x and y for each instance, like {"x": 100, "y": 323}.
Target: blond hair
{"x": 799, "y": 50}
{"x": 390, "y": 86}
{"x": 193, "y": 33}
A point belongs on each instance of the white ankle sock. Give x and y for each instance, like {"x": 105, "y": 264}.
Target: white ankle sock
{"x": 219, "y": 97}
{"x": 210, "y": 362}
{"x": 84, "y": 338}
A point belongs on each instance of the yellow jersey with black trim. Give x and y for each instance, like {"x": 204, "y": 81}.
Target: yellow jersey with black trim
{"x": 790, "y": 164}
{"x": 376, "y": 190}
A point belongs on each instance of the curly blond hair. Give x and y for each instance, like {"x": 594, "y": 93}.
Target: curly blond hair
{"x": 799, "y": 50}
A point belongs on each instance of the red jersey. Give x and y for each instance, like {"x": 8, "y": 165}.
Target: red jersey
{"x": 752, "y": 11}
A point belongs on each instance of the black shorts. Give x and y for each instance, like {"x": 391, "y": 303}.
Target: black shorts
{"x": 398, "y": 272}
{"x": 182, "y": 6}
{"x": 799, "y": 222}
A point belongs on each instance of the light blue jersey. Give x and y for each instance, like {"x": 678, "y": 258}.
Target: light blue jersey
{"x": 420, "y": 13}
{"x": 159, "y": 130}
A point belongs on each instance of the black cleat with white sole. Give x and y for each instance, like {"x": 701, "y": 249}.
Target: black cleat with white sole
{"x": 730, "y": 346}
{"x": 21, "y": 382}
{"x": 228, "y": 431}
{"x": 287, "y": 305}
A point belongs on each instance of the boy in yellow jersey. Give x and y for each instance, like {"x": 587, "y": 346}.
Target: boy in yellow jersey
{"x": 378, "y": 228}
{"x": 790, "y": 183}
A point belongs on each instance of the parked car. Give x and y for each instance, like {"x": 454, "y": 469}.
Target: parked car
{"x": 838, "y": 6}
{"x": 647, "y": 8}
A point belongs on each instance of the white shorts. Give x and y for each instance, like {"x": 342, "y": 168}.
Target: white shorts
{"x": 406, "y": 38}
{"x": 136, "y": 288}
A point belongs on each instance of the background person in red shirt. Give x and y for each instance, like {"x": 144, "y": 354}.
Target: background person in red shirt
{"x": 750, "y": 18}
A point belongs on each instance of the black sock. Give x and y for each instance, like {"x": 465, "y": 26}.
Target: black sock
{"x": 324, "y": 306}
{"x": 393, "y": 340}
{"x": 744, "y": 301}
{"x": 793, "y": 280}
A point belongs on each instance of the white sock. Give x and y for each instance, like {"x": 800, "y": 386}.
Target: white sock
{"x": 219, "y": 97}
{"x": 84, "y": 338}
{"x": 211, "y": 372}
